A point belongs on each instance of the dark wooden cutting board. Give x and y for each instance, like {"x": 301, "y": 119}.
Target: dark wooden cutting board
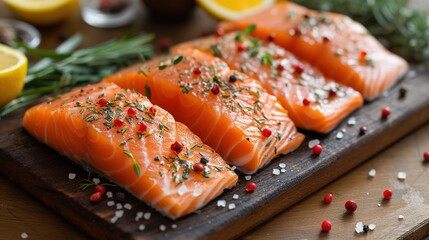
{"x": 44, "y": 173}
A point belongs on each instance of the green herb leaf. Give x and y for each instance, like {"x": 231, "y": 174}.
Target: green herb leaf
{"x": 162, "y": 67}
{"x": 249, "y": 29}
{"x": 147, "y": 91}
{"x": 177, "y": 60}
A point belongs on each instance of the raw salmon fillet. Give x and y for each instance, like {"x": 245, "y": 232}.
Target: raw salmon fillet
{"x": 293, "y": 82}
{"x": 247, "y": 126}
{"x": 340, "y": 47}
{"x": 137, "y": 149}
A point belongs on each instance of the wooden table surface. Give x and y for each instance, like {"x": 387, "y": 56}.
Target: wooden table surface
{"x": 20, "y": 212}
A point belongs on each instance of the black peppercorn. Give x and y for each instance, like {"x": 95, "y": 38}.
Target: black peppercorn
{"x": 232, "y": 78}
{"x": 204, "y": 160}
{"x": 365, "y": 228}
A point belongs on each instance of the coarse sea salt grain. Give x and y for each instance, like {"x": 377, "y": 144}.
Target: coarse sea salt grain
{"x": 174, "y": 226}
{"x": 231, "y": 206}
{"x": 282, "y": 165}
{"x": 221, "y": 203}
{"x": 96, "y": 180}
{"x": 402, "y": 175}
{"x": 72, "y": 176}
{"x": 182, "y": 190}
{"x": 340, "y": 135}
{"x": 247, "y": 178}
{"x": 400, "y": 217}
{"x": 359, "y": 227}
{"x": 119, "y": 206}
{"x": 139, "y": 216}
{"x": 109, "y": 194}
{"x": 372, "y": 173}
{"x": 119, "y": 213}
{"x": 283, "y": 170}
{"x": 371, "y": 226}
{"x": 162, "y": 227}
{"x": 235, "y": 196}
{"x": 197, "y": 192}
{"x": 114, "y": 219}
{"x": 379, "y": 205}
{"x": 128, "y": 206}
{"x": 343, "y": 130}
{"x": 110, "y": 203}
{"x": 142, "y": 227}
{"x": 276, "y": 171}
{"x": 147, "y": 215}
{"x": 313, "y": 143}
{"x": 24, "y": 235}
{"x": 351, "y": 121}
{"x": 233, "y": 168}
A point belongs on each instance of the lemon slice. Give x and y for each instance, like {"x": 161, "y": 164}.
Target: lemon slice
{"x": 42, "y": 12}
{"x": 234, "y": 9}
{"x": 13, "y": 68}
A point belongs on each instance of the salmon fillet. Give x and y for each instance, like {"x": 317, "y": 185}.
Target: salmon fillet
{"x": 293, "y": 82}
{"x": 340, "y": 47}
{"x": 144, "y": 150}
{"x": 247, "y": 126}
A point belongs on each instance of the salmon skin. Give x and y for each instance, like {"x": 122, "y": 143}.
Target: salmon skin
{"x": 229, "y": 111}
{"x": 137, "y": 149}
{"x": 293, "y": 82}
{"x": 340, "y": 47}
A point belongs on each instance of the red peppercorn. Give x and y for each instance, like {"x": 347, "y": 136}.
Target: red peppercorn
{"x": 271, "y": 37}
{"x": 240, "y": 47}
{"x": 266, "y": 132}
{"x": 387, "y": 194}
{"x": 280, "y": 68}
{"x": 131, "y": 112}
{"x": 298, "y": 68}
{"x": 95, "y": 197}
{"x": 297, "y": 31}
{"x": 219, "y": 32}
{"x": 362, "y": 54}
{"x": 250, "y": 187}
{"x": 332, "y": 93}
{"x": 327, "y": 198}
{"x": 215, "y": 89}
{"x": 196, "y": 71}
{"x": 326, "y": 226}
{"x": 198, "y": 167}
{"x": 306, "y": 102}
{"x": 177, "y": 147}
{"x": 101, "y": 189}
{"x": 102, "y": 102}
{"x": 152, "y": 110}
{"x": 385, "y": 112}
{"x": 350, "y": 206}
{"x": 142, "y": 127}
{"x": 362, "y": 130}
{"x": 426, "y": 155}
{"x": 165, "y": 43}
{"x": 326, "y": 39}
{"x": 317, "y": 149}
{"x": 118, "y": 122}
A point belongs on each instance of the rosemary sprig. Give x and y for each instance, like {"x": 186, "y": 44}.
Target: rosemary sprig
{"x": 400, "y": 28}
{"x": 66, "y": 67}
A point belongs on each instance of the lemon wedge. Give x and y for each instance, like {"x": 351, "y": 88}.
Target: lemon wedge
{"x": 234, "y": 9}
{"x": 13, "y": 69}
{"x": 42, "y": 12}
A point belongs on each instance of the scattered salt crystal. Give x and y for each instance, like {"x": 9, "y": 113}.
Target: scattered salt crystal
{"x": 221, "y": 203}
{"x": 359, "y": 227}
{"x": 182, "y": 189}
{"x": 110, "y": 203}
{"x": 174, "y": 226}
{"x": 400, "y": 217}
{"x": 128, "y": 206}
{"x": 24, "y": 235}
{"x": 109, "y": 194}
{"x": 119, "y": 206}
{"x": 313, "y": 143}
{"x": 119, "y": 213}
{"x": 114, "y": 219}
{"x": 197, "y": 192}
{"x": 351, "y": 121}
{"x": 139, "y": 216}
{"x": 233, "y": 168}
{"x": 282, "y": 165}
{"x": 72, "y": 176}
{"x": 142, "y": 227}
{"x": 276, "y": 171}
{"x": 372, "y": 173}
{"x": 231, "y": 206}
{"x": 379, "y": 205}
{"x": 283, "y": 170}
{"x": 367, "y": 193}
{"x": 162, "y": 227}
{"x": 340, "y": 135}
{"x": 96, "y": 180}
{"x": 147, "y": 215}
{"x": 248, "y": 178}
{"x": 343, "y": 130}
{"x": 371, "y": 226}
{"x": 235, "y": 196}
{"x": 402, "y": 175}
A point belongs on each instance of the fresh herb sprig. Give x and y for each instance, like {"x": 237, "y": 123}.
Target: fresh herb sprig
{"x": 401, "y": 28}
{"x": 67, "y": 67}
